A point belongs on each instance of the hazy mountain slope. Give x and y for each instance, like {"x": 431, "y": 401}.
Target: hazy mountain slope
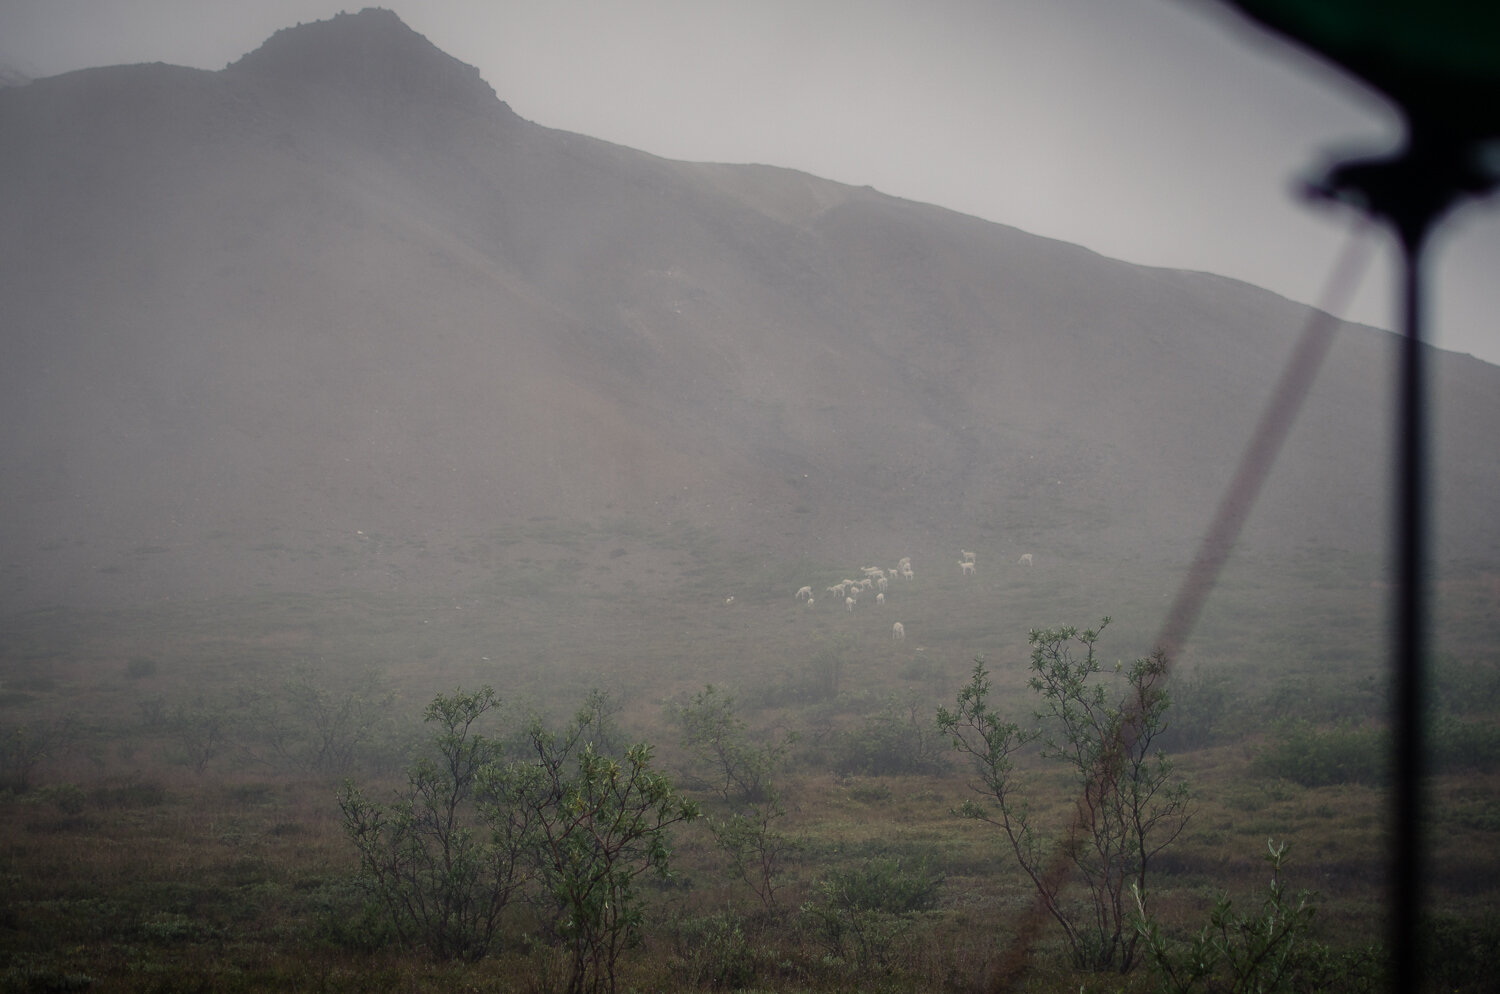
{"x": 340, "y": 288}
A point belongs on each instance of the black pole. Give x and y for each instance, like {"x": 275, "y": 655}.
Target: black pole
{"x": 1407, "y": 712}
{"x": 1411, "y": 191}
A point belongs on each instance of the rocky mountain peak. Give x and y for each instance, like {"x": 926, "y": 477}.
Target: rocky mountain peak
{"x": 373, "y": 51}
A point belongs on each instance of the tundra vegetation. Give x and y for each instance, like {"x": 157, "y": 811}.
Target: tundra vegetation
{"x": 322, "y": 792}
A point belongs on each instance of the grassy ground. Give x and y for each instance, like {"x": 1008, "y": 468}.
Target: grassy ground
{"x": 171, "y": 821}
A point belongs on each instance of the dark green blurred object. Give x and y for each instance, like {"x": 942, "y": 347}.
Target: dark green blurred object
{"x": 1439, "y": 60}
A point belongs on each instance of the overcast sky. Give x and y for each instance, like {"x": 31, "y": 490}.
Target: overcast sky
{"x": 1149, "y": 130}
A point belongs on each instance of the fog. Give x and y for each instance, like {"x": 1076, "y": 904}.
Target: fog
{"x": 334, "y": 384}
{"x": 1159, "y": 132}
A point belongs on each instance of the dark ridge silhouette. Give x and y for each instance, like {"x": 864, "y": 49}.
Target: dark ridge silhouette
{"x": 339, "y": 288}
{"x": 372, "y": 55}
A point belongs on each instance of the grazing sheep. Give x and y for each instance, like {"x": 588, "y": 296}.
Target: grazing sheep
{"x": 880, "y": 599}
{"x": 898, "y": 631}
{"x": 907, "y": 574}
{"x": 848, "y": 603}
{"x": 1025, "y": 560}
{"x": 805, "y": 593}
{"x": 809, "y": 602}
{"x": 882, "y": 583}
{"x": 729, "y": 600}
{"x": 967, "y": 567}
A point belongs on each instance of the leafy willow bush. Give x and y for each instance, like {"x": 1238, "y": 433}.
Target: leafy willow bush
{"x": 1348, "y": 752}
{"x": 898, "y": 740}
{"x": 859, "y": 913}
{"x": 559, "y": 823}
{"x": 1465, "y": 688}
{"x": 1235, "y": 953}
{"x": 1316, "y": 757}
{"x": 713, "y": 952}
{"x": 1102, "y": 728}
{"x": 716, "y": 736}
{"x": 443, "y": 868}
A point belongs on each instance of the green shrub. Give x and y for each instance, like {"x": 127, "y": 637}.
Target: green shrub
{"x": 885, "y": 885}
{"x": 131, "y": 795}
{"x": 1317, "y": 757}
{"x": 713, "y": 952}
{"x": 898, "y": 740}
{"x": 1237, "y": 953}
{"x": 1200, "y": 702}
{"x": 1461, "y": 953}
{"x": 1465, "y": 688}
{"x": 1458, "y": 746}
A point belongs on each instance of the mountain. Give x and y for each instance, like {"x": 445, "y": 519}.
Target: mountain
{"x": 339, "y": 293}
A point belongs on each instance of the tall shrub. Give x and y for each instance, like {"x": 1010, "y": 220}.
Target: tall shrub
{"x": 1130, "y": 806}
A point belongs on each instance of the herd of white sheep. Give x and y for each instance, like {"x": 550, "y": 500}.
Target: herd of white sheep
{"x": 878, "y": 579}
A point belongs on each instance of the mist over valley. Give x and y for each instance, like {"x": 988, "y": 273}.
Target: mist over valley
{"x": 328, "y": 364}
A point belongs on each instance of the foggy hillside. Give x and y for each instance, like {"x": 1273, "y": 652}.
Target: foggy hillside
{"x": 338, "y": 292}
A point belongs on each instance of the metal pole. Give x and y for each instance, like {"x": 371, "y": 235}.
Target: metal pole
{"x": 1407, "y": 713}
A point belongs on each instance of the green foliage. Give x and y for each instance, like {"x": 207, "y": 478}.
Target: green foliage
{"x": 1315, "y": 757}
{"x": 885, "y": 884}
{"x": 713, "y": 732}
{"x": 130, "y": 795}
{"x": 1236, "y": 953}
{"x": 591, "y": 825}
{"x": 859, "y": 913}
{"x": 1200, "y": 705}
{"x": 66, "y": 797}
{"x": 23, "y": 976}
{"x": 1460, "y": 953}
{"x": 443, "y": 871}
{"x": 714, "y": 952}
{"x": 305, "y": 727}
{"x": 1360, "y": 753}
{"x": 896, "y": 741}
{"x": 562, "y": 824}
{"x": 1455, "y": 746}
{"x": 1130, "y": 806}
{"x": 739, "y": 773}
{"x": 817, "y": 680}
{"x": 1465, "y": 688}
{"x": 756, "y": 850}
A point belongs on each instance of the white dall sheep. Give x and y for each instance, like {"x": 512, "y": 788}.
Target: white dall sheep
{"x": 967, "y": 567}
{"x": 898, "y": 631}
{"x": 1025, "y": 560}
{"x": 729, "y": 600}
{"x": 848, "y": 603}
{"x": 880, "y": 599}
{"x": 804, "y": 594}
{"x": 882, "y": 583}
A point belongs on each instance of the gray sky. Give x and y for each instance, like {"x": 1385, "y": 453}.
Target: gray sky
{"x": 1148, "y": 130}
